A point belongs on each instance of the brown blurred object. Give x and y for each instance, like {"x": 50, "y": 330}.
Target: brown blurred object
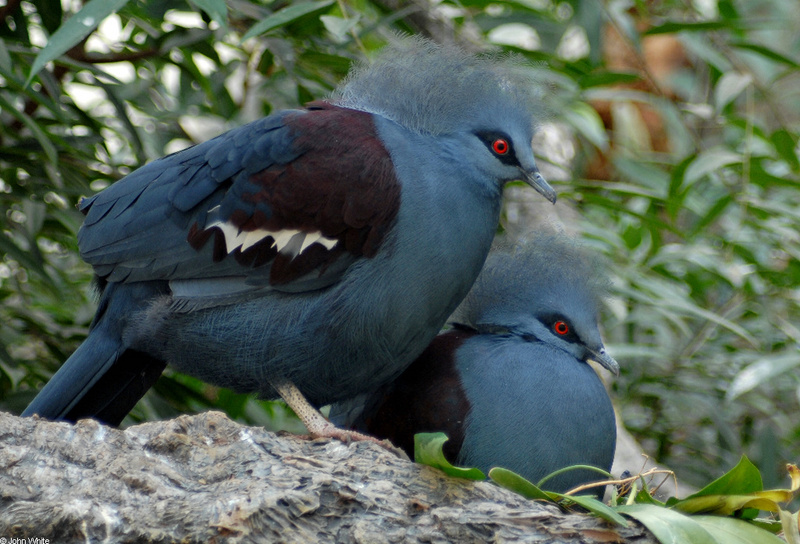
{"x": 661, "y": 57}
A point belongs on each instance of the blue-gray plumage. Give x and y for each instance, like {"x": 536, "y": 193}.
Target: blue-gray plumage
{"x": 313, "y": 252}
{"x": 510, "y": 385}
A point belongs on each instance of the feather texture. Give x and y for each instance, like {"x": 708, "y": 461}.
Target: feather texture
{"x": 320, "y": 249}
{"x": 510, "y": 385}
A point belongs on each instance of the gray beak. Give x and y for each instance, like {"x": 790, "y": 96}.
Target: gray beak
{"x": 535, "y": 180}
{"x": 605, "y": 360}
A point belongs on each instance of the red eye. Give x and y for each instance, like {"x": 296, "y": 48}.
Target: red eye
{"x": 561, "y": 327}
{"x": 500, "y": 146}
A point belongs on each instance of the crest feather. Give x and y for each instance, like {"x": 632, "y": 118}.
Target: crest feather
{"x": 437, "y": 89}
{"x": 532, "y": 273}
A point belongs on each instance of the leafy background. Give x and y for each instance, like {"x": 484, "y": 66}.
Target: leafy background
{"x": 672, "y": 139}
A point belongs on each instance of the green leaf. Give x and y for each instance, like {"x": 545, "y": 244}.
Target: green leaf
{"x": 73, "y": 31}
{"x": 5, "y": 58}
{"x": 597, "y": 508}
{"x": 516, "y": 483}
{"x": 712, "y": 213}
{"x": 674, "y": 26}
{"x": 668, "y": 526}
{"x": 743, "y": 478}
{"x": 216, "y": 9}
{"x": 785, "y": 144}
{"x": 601, "y": 473}
{"x": 730, "y": 85}
{"x": 339, "y": 27}
{"x": 738, "y": 489}
{"x": 607, "y": 78}
{"x": 51, "y": 13}
{"x": 708, "y": 161}
{"x": 735, "y": 531}
{"x": 586, "y": 120}
{"x": 428, "y": 451}
{"x": 767, "y": 53}
{"x": 40, "y": 135}
{"x": 762, "y": 370}
{"x": 285, "y": 16}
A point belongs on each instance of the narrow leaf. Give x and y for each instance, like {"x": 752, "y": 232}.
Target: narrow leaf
{"x": 516, "y": 483}
{"x": 36, "y": 130}
{"x": 285, "y": 16}
{"x": 339, "y": 27}
{"x": 597, "y": 508}
{"x": 767, "y": 53}
{"x": 762, "y": 371}
{"x": 586, "y": 120}
{"x": 729, "y": 87}
{"x": 216, "y": 9}
{"x": 73, "y": 31}
{"x": 428, "y": 451}
{"x": 709, "y": 161}
{"x": 677, "y": 26}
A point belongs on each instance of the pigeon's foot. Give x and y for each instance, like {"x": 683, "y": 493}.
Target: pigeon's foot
{"x": 318, "y": 426}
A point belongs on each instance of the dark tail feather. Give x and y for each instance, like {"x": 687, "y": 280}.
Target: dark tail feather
{"x": 103, "y": 379}
{"x": 118, "y": 390}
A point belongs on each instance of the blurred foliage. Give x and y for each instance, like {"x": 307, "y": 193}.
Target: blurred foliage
{"x": 673, "y": 137}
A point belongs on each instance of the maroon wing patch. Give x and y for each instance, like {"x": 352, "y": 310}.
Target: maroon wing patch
{"x": 338, "y": 196}
{"x": 427, "y": 397}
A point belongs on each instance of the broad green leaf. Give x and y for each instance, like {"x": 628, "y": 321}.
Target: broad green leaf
{"x": 428, "y": 451}
{"x": 516, "y": 483}
{"x": 735, "y": 531}
{"x": 73, "y": 31}
{"x": 285, "y": 16}
{"x": 216, "y": 9}
{"x": 743, "y": 478}
{"x": 668, "y": 526}
{"x": 737, "y": 490}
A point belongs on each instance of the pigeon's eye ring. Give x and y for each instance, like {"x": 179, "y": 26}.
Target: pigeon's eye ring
{"x": 500, "y": 146}
{"x": 561, "y": 327}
